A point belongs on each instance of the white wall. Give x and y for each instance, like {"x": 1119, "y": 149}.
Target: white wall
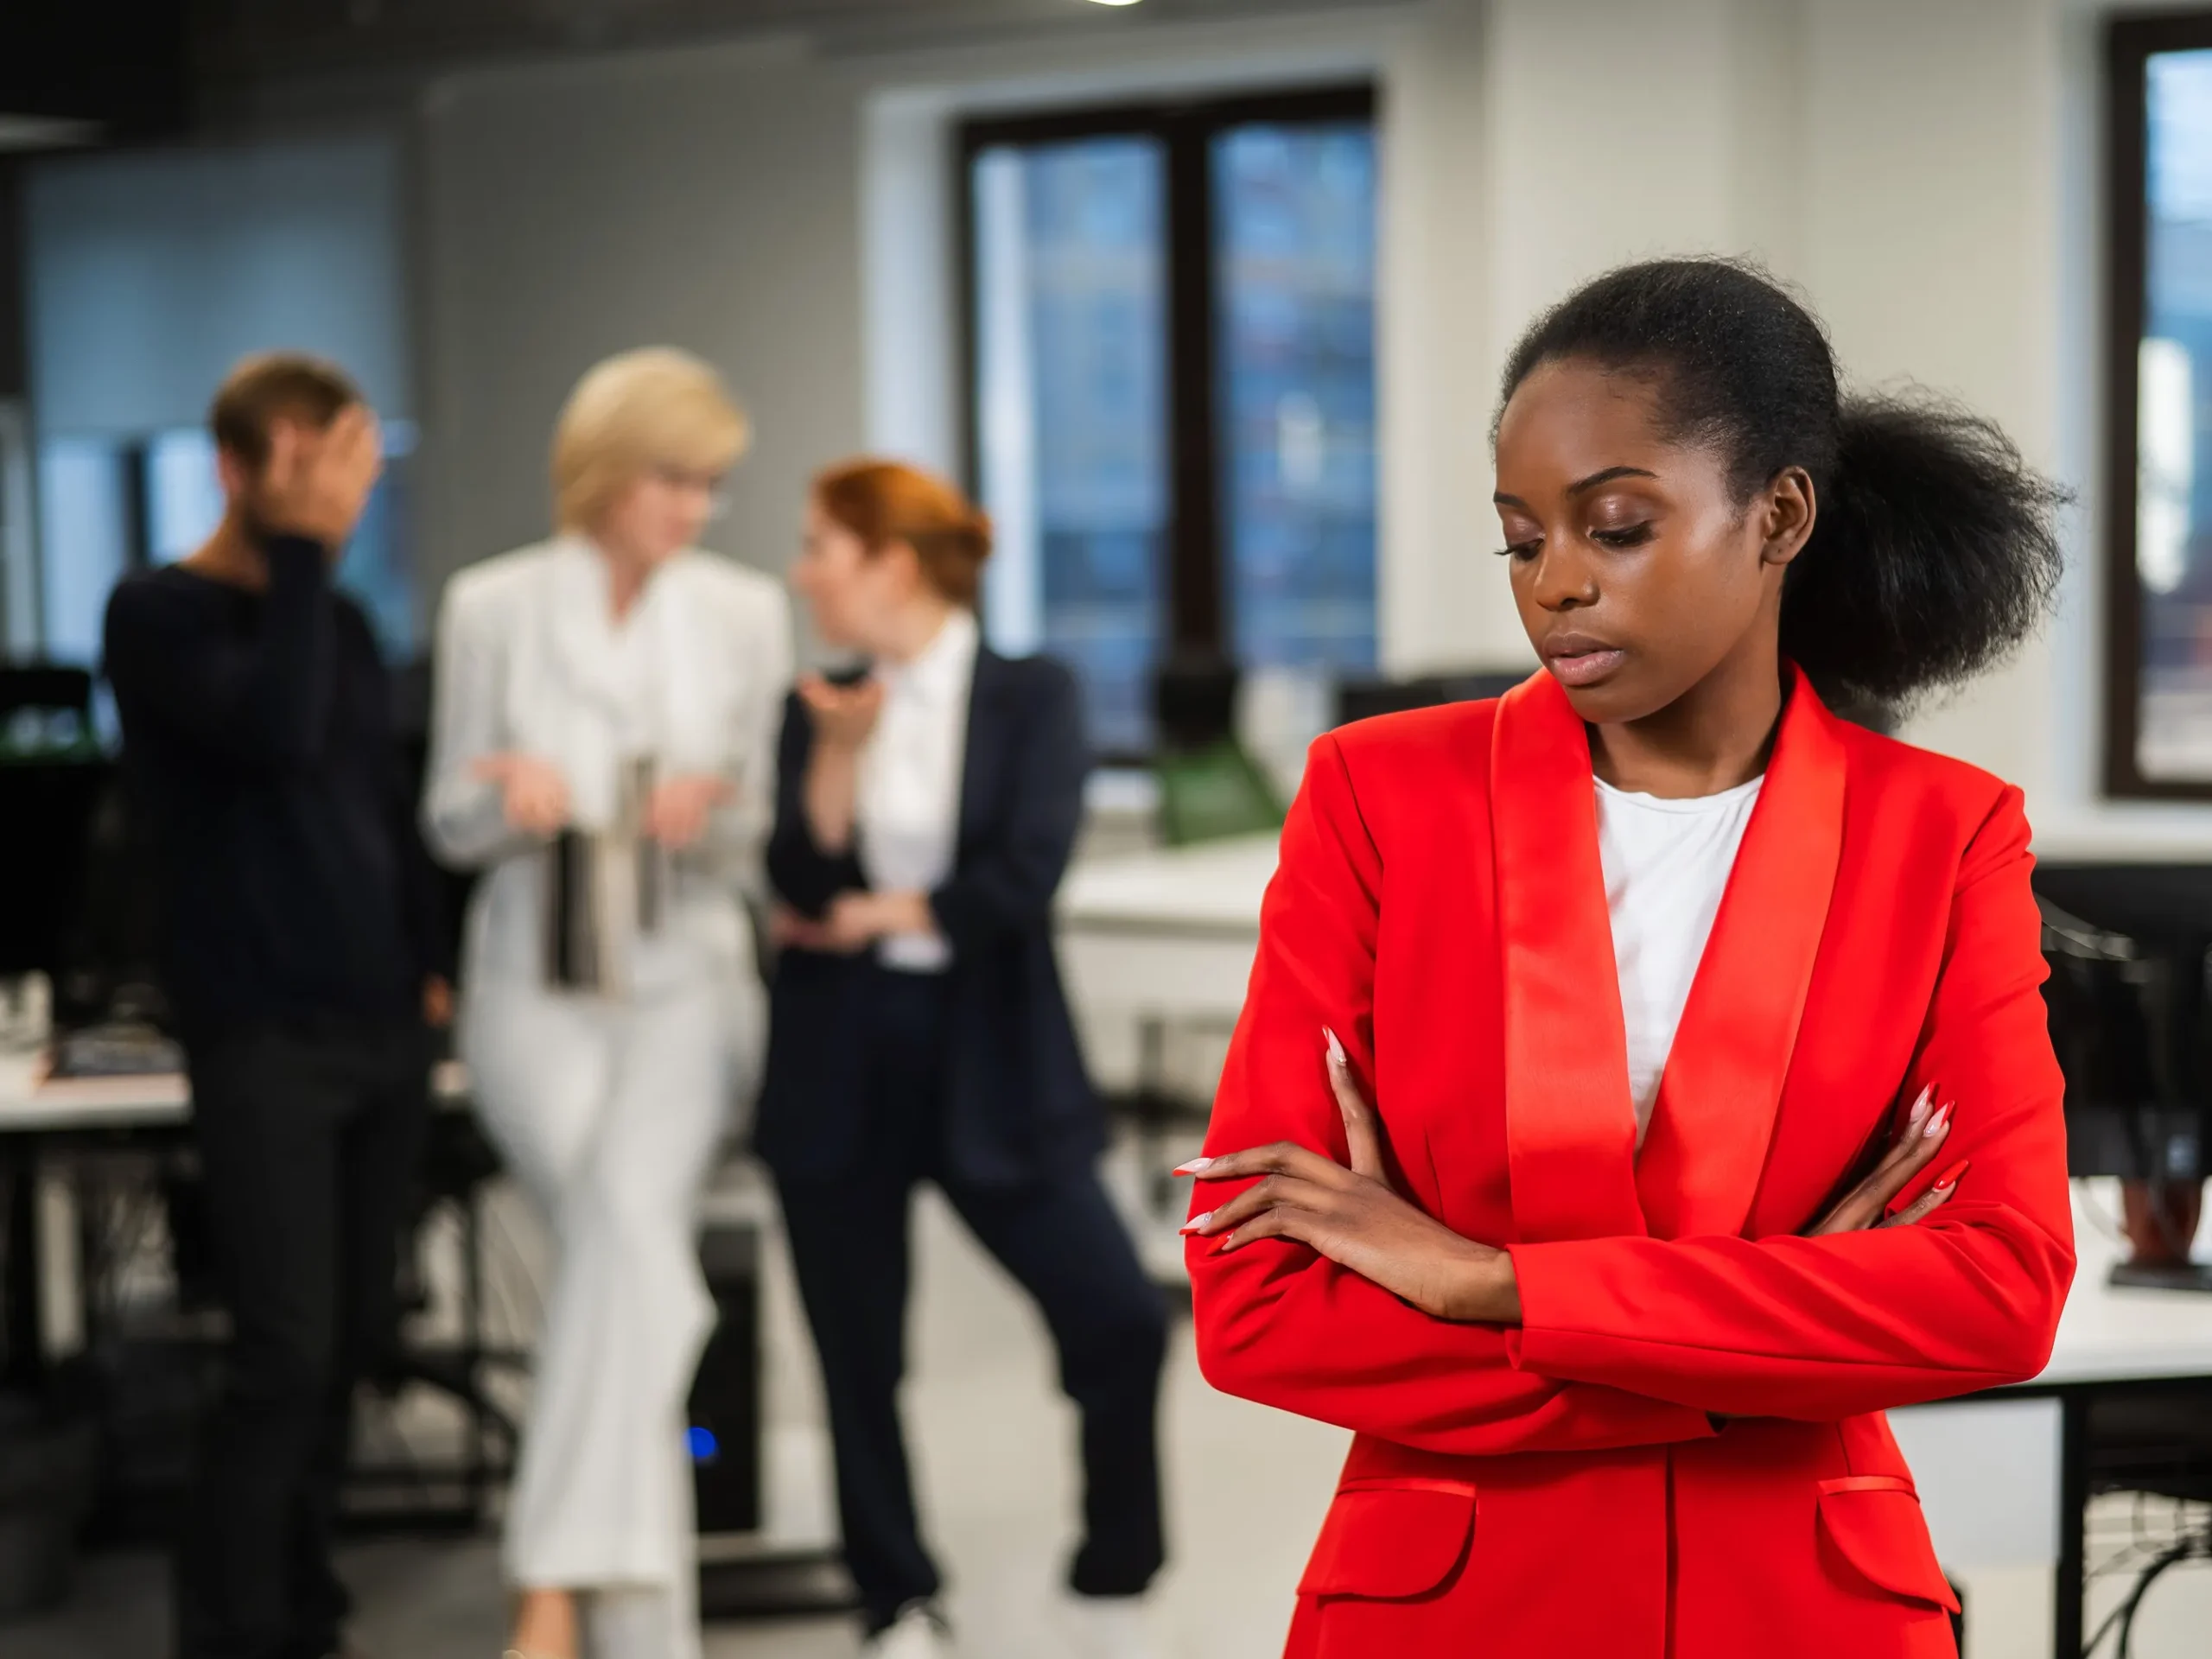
{"x": 706, "y": 199}
{"x": 1920, "y": 167}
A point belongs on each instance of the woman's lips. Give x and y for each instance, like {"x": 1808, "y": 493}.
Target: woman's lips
{"x": 1584, "y": 665}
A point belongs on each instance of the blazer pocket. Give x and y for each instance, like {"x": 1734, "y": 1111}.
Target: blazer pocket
{"x": 1391, "y": 1540}
{"x": 1875, "y": 1523}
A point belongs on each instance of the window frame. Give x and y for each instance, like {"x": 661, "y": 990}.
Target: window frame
{"x": 2130, "y": 43}
{"x": 1197, "y": 620}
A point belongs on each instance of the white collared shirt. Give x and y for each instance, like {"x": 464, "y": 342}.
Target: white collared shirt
{"x": 908, "y": 807}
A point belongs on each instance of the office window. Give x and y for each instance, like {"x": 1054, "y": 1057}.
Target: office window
{"x": 19, "y": 617}
{"x": 108, "y": 506}
{"x": 2159, "y": 586}
{"x": 1172, "y": 331}
{"x": 148, "y": 273}
{"x": 85, "y": 537}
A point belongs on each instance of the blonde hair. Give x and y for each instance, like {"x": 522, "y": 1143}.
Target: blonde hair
{"x": 635, "y": 411}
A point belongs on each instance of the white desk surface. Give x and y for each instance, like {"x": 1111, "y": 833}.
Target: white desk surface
{"x": 30, "y": 1101}
{"x": 1214, "y": 888}
{"x": 2107, "y": 1332}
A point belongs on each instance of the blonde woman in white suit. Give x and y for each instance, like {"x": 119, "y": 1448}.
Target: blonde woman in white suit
{"x": 604, "y": 752}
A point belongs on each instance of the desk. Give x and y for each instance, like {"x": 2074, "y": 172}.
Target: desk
{"x": 38, "y": 1113}
{"x": 32, "y": 1104}
{"x": 2004, "y": 1476}
{"x": 1161, "y": 934}
{"x": 787, "y": 1566}
{"x": 43, "y": 1303}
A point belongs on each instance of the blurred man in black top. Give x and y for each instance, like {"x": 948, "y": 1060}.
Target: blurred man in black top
{"x": 299, "y": 954}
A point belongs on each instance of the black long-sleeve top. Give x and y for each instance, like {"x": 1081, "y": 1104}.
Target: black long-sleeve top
{"x": 257, "y": 742}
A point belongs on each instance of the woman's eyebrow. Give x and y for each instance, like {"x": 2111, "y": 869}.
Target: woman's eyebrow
{"x": 1580, "y": 487}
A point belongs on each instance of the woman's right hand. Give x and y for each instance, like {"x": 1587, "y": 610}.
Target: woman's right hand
{"x": 1922, "y": 1136}
{"x": 533, "y": 792}
{"x": 843, "y": 714}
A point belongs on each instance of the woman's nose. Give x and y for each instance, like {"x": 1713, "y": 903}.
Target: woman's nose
{"x": 1562, "y": 581}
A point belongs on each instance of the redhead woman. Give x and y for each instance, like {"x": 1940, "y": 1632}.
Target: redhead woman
{"x": 607, "y": 704}
{"x": 925, "y": 814}
{"x": 1643, "y": 1082}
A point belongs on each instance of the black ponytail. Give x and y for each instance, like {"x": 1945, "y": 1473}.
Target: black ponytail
{"x": 1935, "y": 547}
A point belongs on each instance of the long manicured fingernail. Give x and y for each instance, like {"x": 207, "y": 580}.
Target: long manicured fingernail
{"x": 1195, "y": 1222}
{"x": 1336, "y": 1048}
{"x": 1920, "y": 1107}
{"x": 1936, "y": 1124}
{"x": 1950, "y": 1178}
{"x": 1191, "y": 1168}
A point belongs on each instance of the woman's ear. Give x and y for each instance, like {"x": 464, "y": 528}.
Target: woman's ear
{"x": 905, "y": 563}
{"x": 1788, "y": 509}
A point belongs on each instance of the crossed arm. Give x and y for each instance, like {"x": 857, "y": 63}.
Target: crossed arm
{"x": 1323, "y": 1292}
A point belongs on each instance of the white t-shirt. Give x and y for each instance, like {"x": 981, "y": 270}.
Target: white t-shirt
{"x": 907, "y": 803}
{"x": 1666, "y": 865}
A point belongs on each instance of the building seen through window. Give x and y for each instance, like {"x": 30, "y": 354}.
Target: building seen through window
{"x": 2159, "y": 586}
{"x": 1173, "y": 317}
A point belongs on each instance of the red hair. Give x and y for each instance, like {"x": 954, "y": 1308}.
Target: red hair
{"x": 886, "y": 501}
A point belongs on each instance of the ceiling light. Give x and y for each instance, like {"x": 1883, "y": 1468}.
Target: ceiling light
{"x": 1113, "y": 3}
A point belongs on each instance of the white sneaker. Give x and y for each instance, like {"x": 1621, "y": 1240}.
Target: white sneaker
{"x": 1111, "y": 1627}
{"x": 918, "y": 1633}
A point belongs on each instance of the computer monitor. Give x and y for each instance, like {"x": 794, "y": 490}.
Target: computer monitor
{"x": 46, "y": 811}
{"x": 1362, "y": 699}
{"x": 1194, "y": 700}
{"x": 2127, "y": 998}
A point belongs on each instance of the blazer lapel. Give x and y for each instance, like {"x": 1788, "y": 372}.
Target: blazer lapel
{"x": 1569, "y": 1125}
{"x": 1707, "y": 1141}
{"x": 987, "y": 732}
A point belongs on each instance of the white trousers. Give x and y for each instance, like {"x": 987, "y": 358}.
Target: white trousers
{"x": 611, "y": 1115}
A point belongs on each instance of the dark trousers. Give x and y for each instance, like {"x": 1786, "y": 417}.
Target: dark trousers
{"x": 309, "y": 1145}
{"x": 1060, "y": 1239}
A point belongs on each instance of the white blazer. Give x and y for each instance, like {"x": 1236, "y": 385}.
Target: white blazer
{"x": 527, "y": 661}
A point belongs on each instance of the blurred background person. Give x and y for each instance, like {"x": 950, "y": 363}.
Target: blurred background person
{"x": 299, "y": 949}
{"x": 603, "y": 738}
{"x": 925, "y": 816}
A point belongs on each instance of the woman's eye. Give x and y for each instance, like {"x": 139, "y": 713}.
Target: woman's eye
{"x": 1632, "y": 536}
{"x": 1522, "y": 550}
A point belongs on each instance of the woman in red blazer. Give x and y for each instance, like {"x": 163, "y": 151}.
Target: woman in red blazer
{"x": 1618, "y": 1369}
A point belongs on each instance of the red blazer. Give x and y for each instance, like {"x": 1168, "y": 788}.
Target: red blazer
{"x": 1680, "y": 1452}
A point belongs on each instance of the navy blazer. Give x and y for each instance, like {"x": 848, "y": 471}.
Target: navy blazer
{"x": 1018, "y": 1103}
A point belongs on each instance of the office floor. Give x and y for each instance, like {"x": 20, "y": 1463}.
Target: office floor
{"x": 1247, "y": 1485}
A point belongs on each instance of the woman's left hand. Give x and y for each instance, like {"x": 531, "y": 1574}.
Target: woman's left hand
{"x": 1355, "y": 1217}
{"x": 677, "y": 809}
{"x": 855, "y": 920}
